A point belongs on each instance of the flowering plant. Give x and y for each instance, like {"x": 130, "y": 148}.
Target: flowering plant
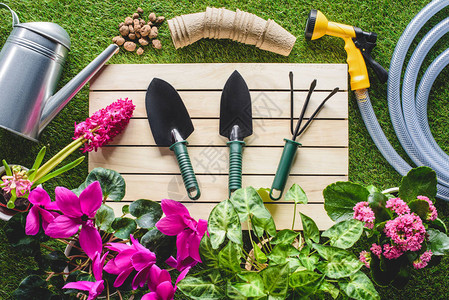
{"x": 404, "y": 232}
{"x": 93, "y": 133}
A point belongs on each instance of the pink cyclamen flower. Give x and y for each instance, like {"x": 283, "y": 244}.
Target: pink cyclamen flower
{"x": 160, "y": 284}
{"x": 365, "y": 258}
{"x": 94, "y": 288}
{"x": 364, "y": 213}
{"x": 78, "y": 211}
{"x": 392, "y": 252}
{"x": 376, "y": 250}
{"x": 104, "y": 124}
{"x": 432, "y": 214}
{"x": 129, "y": 258}
{"x": 423, "y": 260}
{"x": 177, "y": 221}
{"x": 398, "y": 206}
{"x": 406, "y": 231}
{"x": 41, "y": 204}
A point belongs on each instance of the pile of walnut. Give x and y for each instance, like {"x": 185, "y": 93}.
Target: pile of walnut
{"x": 135, "y": 31}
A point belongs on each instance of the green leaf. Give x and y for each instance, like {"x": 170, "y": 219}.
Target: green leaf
{"x": 305, "y": 283}
{"x": 339, "y": 263}
{"x": 294, "y": 265}
{"x": 264, "y": 193}
{"x": 125, "y": 209}
{"x": 296, "y": 194}
{"x": 359, "y": 287}
{"x": 19, "y": 240}
{"x": 112, "y": 183}
{"x": 209, "y": 255}
{"x": 37, "y": 162}
{"x": 281, "y": 252}
{"x": 263, "y": 224}
{"x": 147, "y": 212}
{"x": 421, "y": 181}
{"x": 247, "y": 203}
{"x": 383, "y": 270}
{"x": 438, "y": 224}
{"x": 438, "y": 242}
{"x": 59, "y": 171}
{"x": 7, "y": 168}
{"x": 224, "y": 221}
{"x": 229, "y": 258}
{"x": 309, "y": 262}
{"x": 32, "y": 288}
{"x": 162, "y": 245}
{"x": 123, "y": 227}
{"x": 205, "y": 285}
{"x": 344, "y": 234}
{"x": 341, "y": 197}
{"x": 372, "y": 189}
{"x": 329, "y": 288}
{"x": 310, "y": 229}
{"x": 420, "y": 207}
{"x": 56, "y": 260}
{"x": 285, "y": 236}
{"x": 275, "y": 280}
{"x": 377, "y": 202}
{"x": 258, "y": 254}
{"x": 248, "y": 284}
{"x": 104, "y": 217}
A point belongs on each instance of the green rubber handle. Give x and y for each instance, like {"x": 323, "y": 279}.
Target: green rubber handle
{"x": 235, "y": 165}
{"x": 188, "y": 176}
{"x": 284, "y": 167}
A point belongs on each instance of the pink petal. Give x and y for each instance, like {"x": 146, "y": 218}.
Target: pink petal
{"x": 136, "y": 244}
{"x": 171, "y": 225}
{"x": 90, "y": 240}
{"x": 164, "y": 276}
{"x": 68, "y": 202}
{"x": 96, "y": 290}
{"x": 142, "y": 259}
{"x": 39, "y": 196}
{"x": 122, "y": 277}
{"x": 165, "y": 291}
{"x": 62, "y": 227}
{"x": 202, "y": 227}
{"x": 119, "y": 247}
{"x": 98, "y": 264}
{"x": 182, "y": 245}
{"x": 194, "y": 247}
{"x": 47, "y": 217}
{"x": 153, "y": 279}
{"x": 171, "y": 207}
{"x": 141, "y": 278}
{"x": 51, "y": 206}
{"x": 182, "y": 275}
{"x": 112, "y": 268}
{"x": 123, "y": 259}
{"x": 172, "y": 262}
{"x": 32, "y": 223}
{"x": 150, "y": 296}
{"x": 91, "y": 199}
{"x": 79, "y": 285}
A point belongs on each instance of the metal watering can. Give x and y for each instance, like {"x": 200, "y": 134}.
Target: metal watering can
{"x": 31, "y": 63}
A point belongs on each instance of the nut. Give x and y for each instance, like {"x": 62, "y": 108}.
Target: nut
{"x": 139, "y": 51}
{"x": 136, "y": 15}
{"x": 132, "y": 36}
{"x": 131, "y": 29}
{"x": 145, "y": 30}
{"x": 130, "y": 46}
{"x": 143, "y": 41}
{"x": 128, "y": 21}
{"x": 157, "y": 44}
{"x": 118, "y": 40}
{"x": 124, "y": 30}
{"x": 142, "y": 22}
{"x": 153, "y": 32}
{"x": 152, "y": 17}
{"x": 159, "y": 20}
{"x": 150, "y": 23}
{"x": 139, "y": 10}
{"x": 137, "y": 28}
{"x": 138, "y": 35}
{"x": 136, "y": 22}
{"x": 121, "y": 24}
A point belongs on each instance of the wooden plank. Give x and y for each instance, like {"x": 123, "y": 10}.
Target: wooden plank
{"x": 265, "y": 133}
{"x": 214, "y": 160}
{"x": 213, "y": 76}
{"x": 206, "y": 104}
{"x": 214, "y": 188}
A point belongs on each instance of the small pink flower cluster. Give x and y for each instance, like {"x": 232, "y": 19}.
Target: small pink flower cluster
{"x": 376, "y": 249}
{"x": 423, "y": 260}
{"x": 392, "y": 251}
{"x": 365, "y": 258}
{"x": 433, "y": 214}
{"x": 18, "y": 182}
{"x": 364, "y": 213}
{"x": 104, "y": 124}
{"x": 398, "y": 206}
{"x": 406, "y": 231}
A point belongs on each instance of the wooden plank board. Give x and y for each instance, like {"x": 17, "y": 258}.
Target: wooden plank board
{"x": 151, "y": 172}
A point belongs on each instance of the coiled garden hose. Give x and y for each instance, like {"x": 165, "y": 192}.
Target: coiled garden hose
{"x": 408, "y": 110}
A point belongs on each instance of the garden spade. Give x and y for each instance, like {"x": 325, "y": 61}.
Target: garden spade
{"x": 171, "y": 125}
{"x": 235, "y": 124}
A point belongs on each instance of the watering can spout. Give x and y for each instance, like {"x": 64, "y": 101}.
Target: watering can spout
{"x": 57, "y": 102}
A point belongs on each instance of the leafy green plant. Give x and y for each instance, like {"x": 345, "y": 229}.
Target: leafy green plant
{"x": 278, "y": 264}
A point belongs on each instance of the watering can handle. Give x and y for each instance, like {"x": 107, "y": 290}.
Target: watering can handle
{"x": 15, "y": 18}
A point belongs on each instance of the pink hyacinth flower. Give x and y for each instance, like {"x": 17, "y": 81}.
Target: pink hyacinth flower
{"x": 365, "y": 258}
{"x": 364, "y": 213}
{"x": 398, "y": 206}
{"x": 41, "y": 204}
{"x": 432, "y": 214}
{"x": 423, "y": 260}
{"x": 94, "y": 288}
{"x": 160, "y": 284}
{"x": 78, "y": 211}
{"x": 177, "y": 221}
{"x": 129, "y": 258}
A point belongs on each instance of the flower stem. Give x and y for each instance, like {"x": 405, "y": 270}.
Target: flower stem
{"x": 294, "y": 216}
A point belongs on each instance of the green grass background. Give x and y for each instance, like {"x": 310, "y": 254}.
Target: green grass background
{"x": 92, "y": 24}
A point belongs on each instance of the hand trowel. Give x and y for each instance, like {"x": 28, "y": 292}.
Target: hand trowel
{"x": 171, "y": 125}
{"x": 236, "y": 123}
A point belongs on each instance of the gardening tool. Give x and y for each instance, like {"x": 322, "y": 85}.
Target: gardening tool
{"x": 31, "y": 63}
{"x": 290, "y": 147}
{"x": 236, "y": 123}
{"x": 171, "y": 125}
{"x": 358, "y": 46}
